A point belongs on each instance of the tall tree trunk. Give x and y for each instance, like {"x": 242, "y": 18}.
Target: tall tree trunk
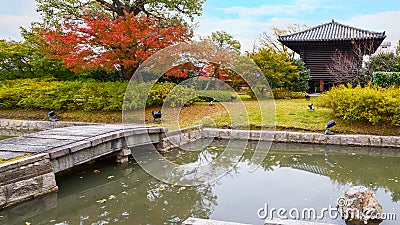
{"x": 216, "y": 75}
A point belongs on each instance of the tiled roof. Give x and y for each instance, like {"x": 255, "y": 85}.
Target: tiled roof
{"x": 330, "y": 32}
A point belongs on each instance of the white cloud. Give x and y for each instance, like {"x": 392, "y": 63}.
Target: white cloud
{"x": 247, "y": 28}
{"x": 10, "y": 22}
{"x": 383, "y": 21}
{"x": 247, "y": 31}
{"x": 246, "y": 24}
{"x": 294, "y": 9}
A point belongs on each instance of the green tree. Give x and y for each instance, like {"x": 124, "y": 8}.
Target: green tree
{"x": 276, "y": 67}
{"x": 398, "y": 48}
{"x": 22, "y": 60}
{"x": 14, "y": 61}
{"x": 59, "y": 11}
{"x": 398, "y": 56}
{"x": 383, "y": 62}
{"x": 225, "y": 40}
{"x": 300, "y": 83}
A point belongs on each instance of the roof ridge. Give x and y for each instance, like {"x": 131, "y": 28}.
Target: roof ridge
{"x": 348, "y": 26}
{"x": 333, "y": 31}
{"x": 311, "y": 28}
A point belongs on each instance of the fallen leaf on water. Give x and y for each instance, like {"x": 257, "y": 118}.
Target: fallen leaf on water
{"x": 101, "y": 200}
{"x": 111, "y": 197}
{"x": 27, "y": 223}
{"x": 110, "y": 177}
{"x": 182, "y": 188}
{"x": 125, "y": 193}
{"x": 96, "y": 171}
{"x": 81, "y": 196}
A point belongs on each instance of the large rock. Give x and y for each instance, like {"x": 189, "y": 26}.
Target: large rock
{"x": 360, "y": 206}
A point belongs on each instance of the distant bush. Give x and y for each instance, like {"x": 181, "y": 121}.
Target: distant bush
{"x": 278, "y": 93}
{"x": 219, "y": 96}
{"x": 374, "y": 105}
{"x": 178, "y": 95}
{"x": 386, "y": 79}
{"x": 88, "y": 95}
{"x": 101, "y": 75}
{"x": 281, "y": 93}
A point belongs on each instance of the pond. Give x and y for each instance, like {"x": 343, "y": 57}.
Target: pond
{"x": 291, "y": 176}
{"x": 8, "y": 133}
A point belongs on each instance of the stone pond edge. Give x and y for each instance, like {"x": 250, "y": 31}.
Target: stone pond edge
{"x": 180, "y": 137}
{"x": 25, "y": 179}
{"x": 183, "y": 136}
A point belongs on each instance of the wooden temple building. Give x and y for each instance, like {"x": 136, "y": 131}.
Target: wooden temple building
{"x": 317, "y": 46}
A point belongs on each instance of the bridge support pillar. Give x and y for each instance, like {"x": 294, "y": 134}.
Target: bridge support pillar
{"x": 123, "y": 155}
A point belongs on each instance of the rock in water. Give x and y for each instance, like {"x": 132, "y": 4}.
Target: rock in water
{"x": 360, "y": 206}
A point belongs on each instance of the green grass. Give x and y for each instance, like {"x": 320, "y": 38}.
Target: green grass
{"x": 291, "y": 115}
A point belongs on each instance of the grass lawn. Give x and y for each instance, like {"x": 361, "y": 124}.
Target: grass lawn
{"x": 291, "y": 115}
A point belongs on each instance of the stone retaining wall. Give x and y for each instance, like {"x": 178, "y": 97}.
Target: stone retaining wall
{"x": 23, "y": 125}
{"x": 180, "y": 137}
{"x": 310, "y": 138}
{"x": 25, "y": 179}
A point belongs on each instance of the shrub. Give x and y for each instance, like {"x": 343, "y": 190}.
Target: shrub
{"x": 374, "y": 105}
{"x": 102, "y": 75}
{"x": 88, "y": 95}
{"x": 281, "y": 93}
{"x": 386, "y": 79}
{"x": 179, "y": 96}
{"x": 219, "y": 96}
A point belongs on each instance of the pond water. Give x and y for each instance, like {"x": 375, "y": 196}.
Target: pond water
{"x": 291, "y": 176}
{"x": 8, "y": 133}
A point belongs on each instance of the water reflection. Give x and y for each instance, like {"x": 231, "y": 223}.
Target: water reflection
{"x": 291, "y": 176}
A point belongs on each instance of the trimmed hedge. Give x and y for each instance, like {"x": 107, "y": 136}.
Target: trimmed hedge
{"x": 374, "y": 105}
{"x": 386, "y": 79}
{"x": 278, "y": 93}
{"x": 281, "y": 93}
{"x": 88, "y": 95}
{"x": 219, "y": 96}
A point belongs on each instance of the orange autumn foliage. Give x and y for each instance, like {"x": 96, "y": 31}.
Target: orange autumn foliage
{"x": 106, "y": 43}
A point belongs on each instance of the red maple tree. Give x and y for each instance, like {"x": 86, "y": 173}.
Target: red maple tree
{"x": 106, "y": 43}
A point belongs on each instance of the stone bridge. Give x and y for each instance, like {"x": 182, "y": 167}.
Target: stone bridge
{"x": 52, "y": 151}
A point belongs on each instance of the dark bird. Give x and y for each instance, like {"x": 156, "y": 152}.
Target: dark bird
{"x": 156, "y": 115}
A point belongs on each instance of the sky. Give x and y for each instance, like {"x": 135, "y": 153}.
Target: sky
{"x": 246, "y": 20}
